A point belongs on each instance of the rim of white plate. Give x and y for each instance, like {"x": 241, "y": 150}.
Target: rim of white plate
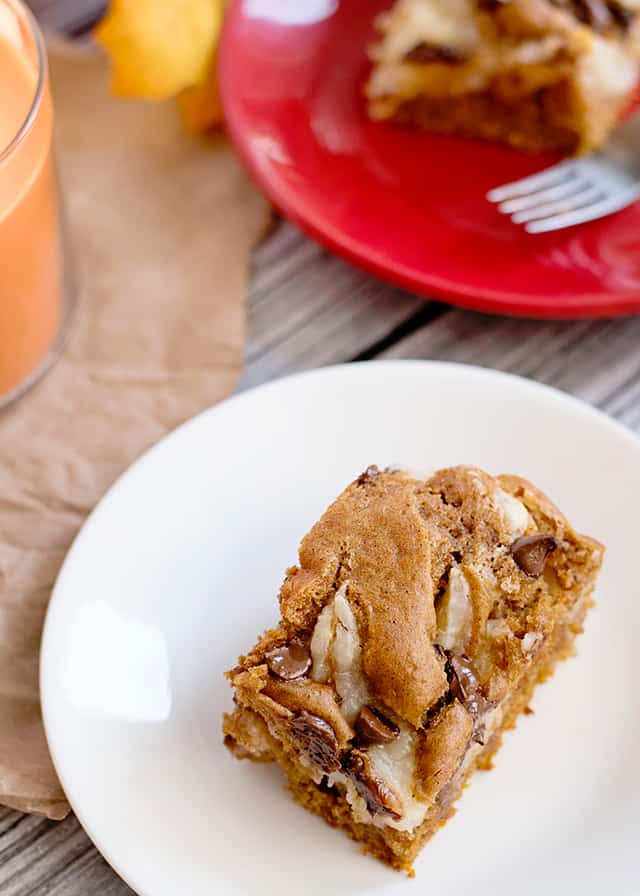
{"x": 356, "y": 370}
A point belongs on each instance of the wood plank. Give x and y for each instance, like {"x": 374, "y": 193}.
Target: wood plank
{"x": 88, "y": 875}
{"x": 41, "y": 856}
{"x": 308, "y": 308}
{"x": 39, "y": 849}
{"x": 8, "y": 819}
{"x": 596, "y": 360}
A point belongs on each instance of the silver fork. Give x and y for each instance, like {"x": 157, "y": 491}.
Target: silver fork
{"x": 577, "y": 190}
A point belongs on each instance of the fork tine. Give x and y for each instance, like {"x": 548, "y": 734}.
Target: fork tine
{"x": 586, "y": 196}
{"x": 540, "y": 181}
{"x": 566, "y": 189}
{"x": 586, "y": 213}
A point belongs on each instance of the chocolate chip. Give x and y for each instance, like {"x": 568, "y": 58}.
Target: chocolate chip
{"x": 370, "y": 473}
{"x": 624, "y": 16}
{"x": 424, "y": 53}
{"x": 290, "y": 661}
{"x": 374, "y": 728}
{"x": 436, "y": 708}
{"x": 318, "y": 740}
{"x": 464, "y": 685}
{"x": 531, "y": 552}
{"x": 379, "y": 798}
{"x": 594, "y": 13}
{"x": 329, "y": 789}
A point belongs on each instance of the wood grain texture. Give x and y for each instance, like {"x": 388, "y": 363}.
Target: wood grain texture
{"x": 306, "y": 309}
{"x": 596, "y": 360}
{"x": 309, "y": 308}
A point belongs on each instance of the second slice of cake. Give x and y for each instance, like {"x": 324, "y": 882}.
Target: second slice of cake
{"x": 538, "y": 74}
{"x": 413, "y": 631}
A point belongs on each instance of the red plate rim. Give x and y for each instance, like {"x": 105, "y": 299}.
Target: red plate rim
{"x": 425, "y": 284}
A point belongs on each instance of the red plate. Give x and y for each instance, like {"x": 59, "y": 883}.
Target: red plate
{"x": 406, "y": 206}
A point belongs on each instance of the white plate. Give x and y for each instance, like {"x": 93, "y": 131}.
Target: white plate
{"x": 177, "y": 571}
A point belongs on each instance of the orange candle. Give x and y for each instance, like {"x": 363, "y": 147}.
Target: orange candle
{"x": 31, "y": 261}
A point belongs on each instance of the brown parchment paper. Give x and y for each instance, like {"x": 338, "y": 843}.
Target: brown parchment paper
{"x": 162, "y": 225}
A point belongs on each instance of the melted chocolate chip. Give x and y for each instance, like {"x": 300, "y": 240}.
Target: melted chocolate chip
{"x": 329, "y": 789}
{"x": 423, "y": 53}
{"x": 370, "y": 473}
{"x": 531, "y": 552}
{"x": 435, "y": 709}
{"x": 374, "y": 728}
{"x": 464, "y": 685}
{"x": 290, "y": 661}
{"x": 379, "y": 799}
{"x": 318, "y": 740}
{"x": 597, "y": 14}
{"x": 624, "y": 16}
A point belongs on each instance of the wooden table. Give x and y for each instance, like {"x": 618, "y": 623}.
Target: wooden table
{"x": 306, "y": 309}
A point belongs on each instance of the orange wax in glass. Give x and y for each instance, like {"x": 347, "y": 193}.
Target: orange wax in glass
{"x": 33, "y": 300}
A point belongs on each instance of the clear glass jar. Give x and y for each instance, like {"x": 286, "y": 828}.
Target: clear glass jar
{"x": 35, "y": 282}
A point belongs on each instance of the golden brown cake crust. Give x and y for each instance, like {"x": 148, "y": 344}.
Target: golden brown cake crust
{"x": 413, "y": 630}
{"x": 375, "y": 536}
